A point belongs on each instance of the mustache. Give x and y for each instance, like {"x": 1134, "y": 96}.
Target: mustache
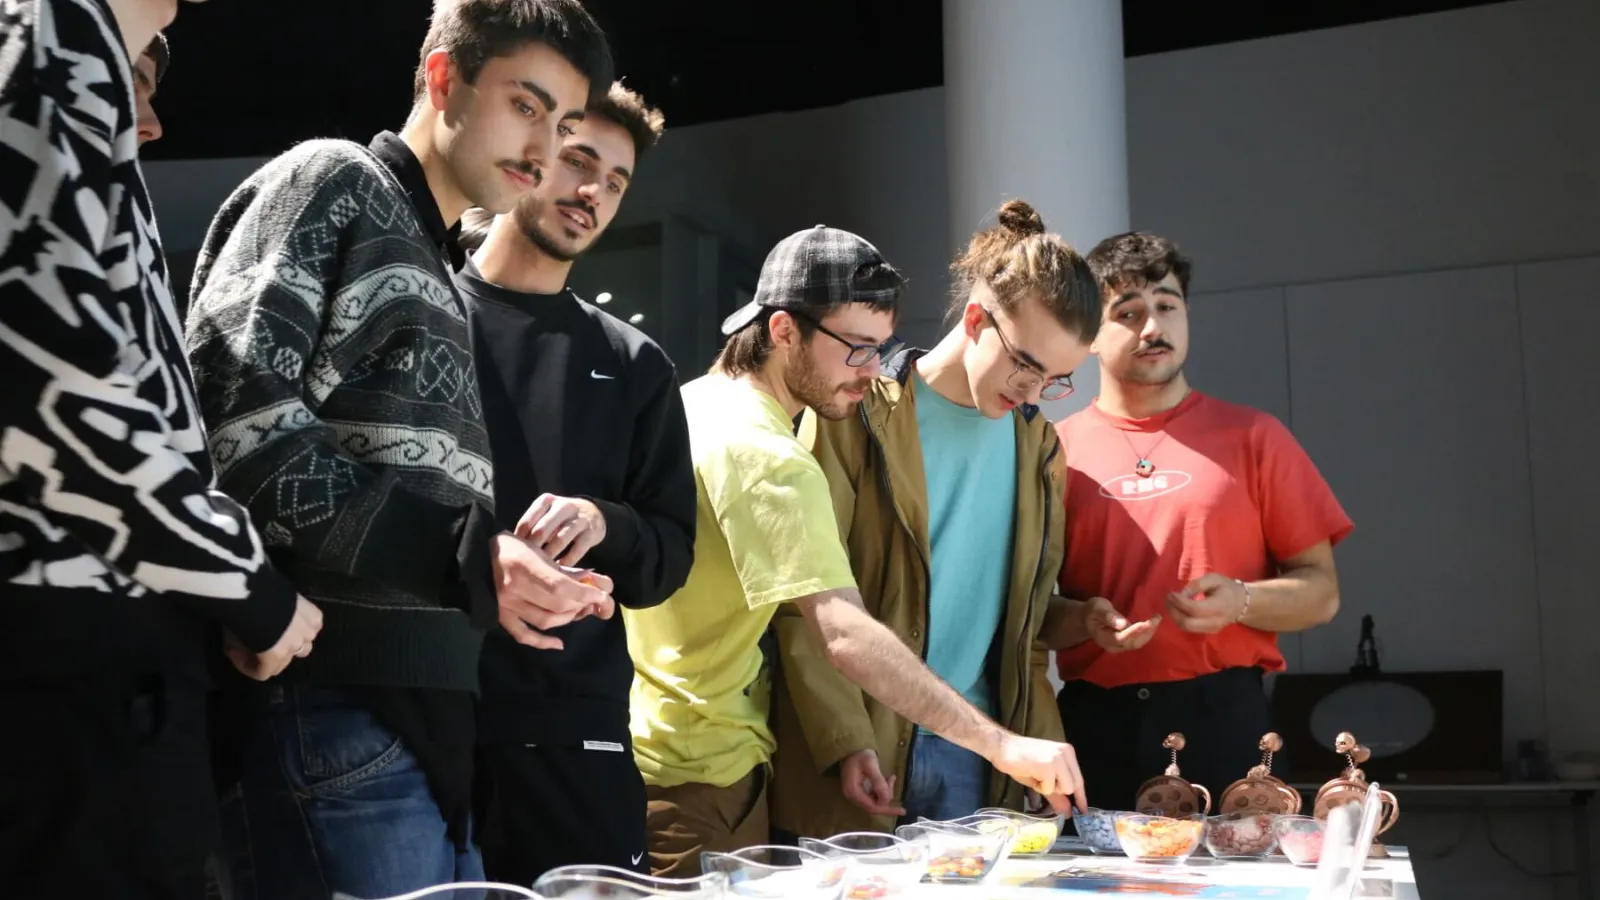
{"x": 580, "y": 206}
{"x": 1157, "y": 344}
{"x": 526, "y": 168}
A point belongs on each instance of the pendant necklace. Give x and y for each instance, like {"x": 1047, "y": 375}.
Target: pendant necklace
{"x": 1144, "y": 468}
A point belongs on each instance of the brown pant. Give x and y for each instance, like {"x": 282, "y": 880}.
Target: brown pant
{"x": 686, "y": 820}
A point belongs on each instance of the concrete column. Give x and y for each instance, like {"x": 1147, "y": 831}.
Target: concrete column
{"x": 1033, "y": 96}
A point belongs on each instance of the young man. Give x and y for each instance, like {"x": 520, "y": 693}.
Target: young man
{"x": 334, "y": 364}
{"x": 117, "y": 554}
{"x": 1197, "y": 530}
{"x": 592, "y": 462}
{"x": 948, "y": 483}
{"x": 148, "y": 70}
{"x": 765, "y": 535}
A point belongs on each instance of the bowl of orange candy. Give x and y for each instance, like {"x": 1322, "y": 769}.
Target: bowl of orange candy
{"x": 1159, "y": 839}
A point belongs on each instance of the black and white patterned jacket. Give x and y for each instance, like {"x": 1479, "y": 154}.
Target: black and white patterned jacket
{"x": 106, "y": 486}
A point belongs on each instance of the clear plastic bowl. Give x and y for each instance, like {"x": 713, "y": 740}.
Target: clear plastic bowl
{"x": 1036, "y": 834}
{"x": 1300, "y": 839}
{"x": 1159, "y": 839}
{"x": 989, "y": 823}
{"x": 595, "y": 882}
{"x": 1098, "y": 829}
{"x": 1240, "y": 835}
{"x": 881, "y": 865}
{"x": 773, "y": 871}
{"x": 959, "y": 854}
{"x": 462, "y": 890}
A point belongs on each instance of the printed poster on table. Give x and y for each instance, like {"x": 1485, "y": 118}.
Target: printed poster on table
{"x": 1076, "y": 878}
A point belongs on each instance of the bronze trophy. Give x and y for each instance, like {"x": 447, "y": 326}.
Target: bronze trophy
{"x": 1170, "y": 794}
{"x": 1260, "y": 791}
{"x": 1351, "y": 787}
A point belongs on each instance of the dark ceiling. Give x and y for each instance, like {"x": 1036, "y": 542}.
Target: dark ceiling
{"x": 250, "y": 78}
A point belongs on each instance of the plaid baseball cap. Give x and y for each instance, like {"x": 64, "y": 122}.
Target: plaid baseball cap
{"x": 819, "y": 266}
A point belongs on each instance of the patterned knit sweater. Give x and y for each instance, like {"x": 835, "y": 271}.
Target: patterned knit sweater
{"x": 116, "y": 550}
{"x": 333, "y": 363}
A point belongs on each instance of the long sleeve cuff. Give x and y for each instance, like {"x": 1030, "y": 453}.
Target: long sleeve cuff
{"x": 470, "y": 587}
{"x": 259, "y": 620}
{"x": 622, "y": 535}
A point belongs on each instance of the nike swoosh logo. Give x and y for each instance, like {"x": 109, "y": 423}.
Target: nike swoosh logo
{"x": 595, "y": 374}
{"x": 637, "y": 857}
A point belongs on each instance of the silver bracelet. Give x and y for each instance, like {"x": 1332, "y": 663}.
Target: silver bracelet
{"x": 1246, "y": 607}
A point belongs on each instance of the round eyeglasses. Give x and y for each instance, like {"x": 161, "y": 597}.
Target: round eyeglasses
{"x": 1025, "y": 376}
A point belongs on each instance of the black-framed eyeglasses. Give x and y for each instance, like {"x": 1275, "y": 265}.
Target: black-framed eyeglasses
{"x": 1025, "y": 376}
{"x": 860, "y": 354}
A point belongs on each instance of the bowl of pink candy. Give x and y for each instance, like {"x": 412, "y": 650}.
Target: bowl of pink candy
{"x": 1300, "y": 838}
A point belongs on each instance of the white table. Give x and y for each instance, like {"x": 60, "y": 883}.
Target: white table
{"x": 1201, "y": 876}
{"x": 1514, "y": 795}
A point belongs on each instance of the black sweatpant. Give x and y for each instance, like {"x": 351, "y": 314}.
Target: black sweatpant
{"x": 545, "y": 806}
{"x": 1118, "y": 732}
{"x": 105, "y": 789}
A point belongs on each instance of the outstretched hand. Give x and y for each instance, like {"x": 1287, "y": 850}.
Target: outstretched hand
{"x": 1112, "y": 632}
{"x": 1049, "y": 768}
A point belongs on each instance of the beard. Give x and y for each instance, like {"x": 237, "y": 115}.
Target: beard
{"x": 1162, "y": 373}
{"x": 529, "y": 216}
{"x": 808, "y": 385}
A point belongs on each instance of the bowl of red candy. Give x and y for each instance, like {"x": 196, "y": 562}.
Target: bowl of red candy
{"x": 1241, "y": 835}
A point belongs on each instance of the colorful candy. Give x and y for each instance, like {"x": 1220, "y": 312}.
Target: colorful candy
{"x": 1158, "y": 837}
{"x": 964, "y": 862}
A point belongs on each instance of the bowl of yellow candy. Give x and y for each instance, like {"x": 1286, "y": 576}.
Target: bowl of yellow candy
{"x": 1036, "y": 833}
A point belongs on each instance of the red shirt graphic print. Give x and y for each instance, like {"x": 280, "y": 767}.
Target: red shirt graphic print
{"x": 1232, "y": 492}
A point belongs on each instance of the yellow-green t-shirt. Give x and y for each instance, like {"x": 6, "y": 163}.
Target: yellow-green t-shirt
{"x": 765, "y": 533}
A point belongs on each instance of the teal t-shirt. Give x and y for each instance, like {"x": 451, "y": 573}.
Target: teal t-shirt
{"x": 971, "y": 465}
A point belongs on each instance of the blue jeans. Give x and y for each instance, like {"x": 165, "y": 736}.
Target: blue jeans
{"x": 329, "y": 801}
{"x": 945, "y": 781}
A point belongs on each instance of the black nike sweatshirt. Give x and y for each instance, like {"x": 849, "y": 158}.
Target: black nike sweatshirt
{"x": 579, "y": 404}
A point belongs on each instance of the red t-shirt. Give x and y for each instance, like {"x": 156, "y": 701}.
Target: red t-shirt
{"x": 1232, "y": 493}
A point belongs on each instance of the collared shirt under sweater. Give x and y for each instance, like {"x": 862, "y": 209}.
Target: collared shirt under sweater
{"x": 335, "y": 372}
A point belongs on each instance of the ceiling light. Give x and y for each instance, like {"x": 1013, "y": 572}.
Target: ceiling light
{"x": 636, "y": 318}
{"x": 602, "y": 298}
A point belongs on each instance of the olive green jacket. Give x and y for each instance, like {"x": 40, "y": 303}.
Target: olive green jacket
{"x": 873, "y": 461}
